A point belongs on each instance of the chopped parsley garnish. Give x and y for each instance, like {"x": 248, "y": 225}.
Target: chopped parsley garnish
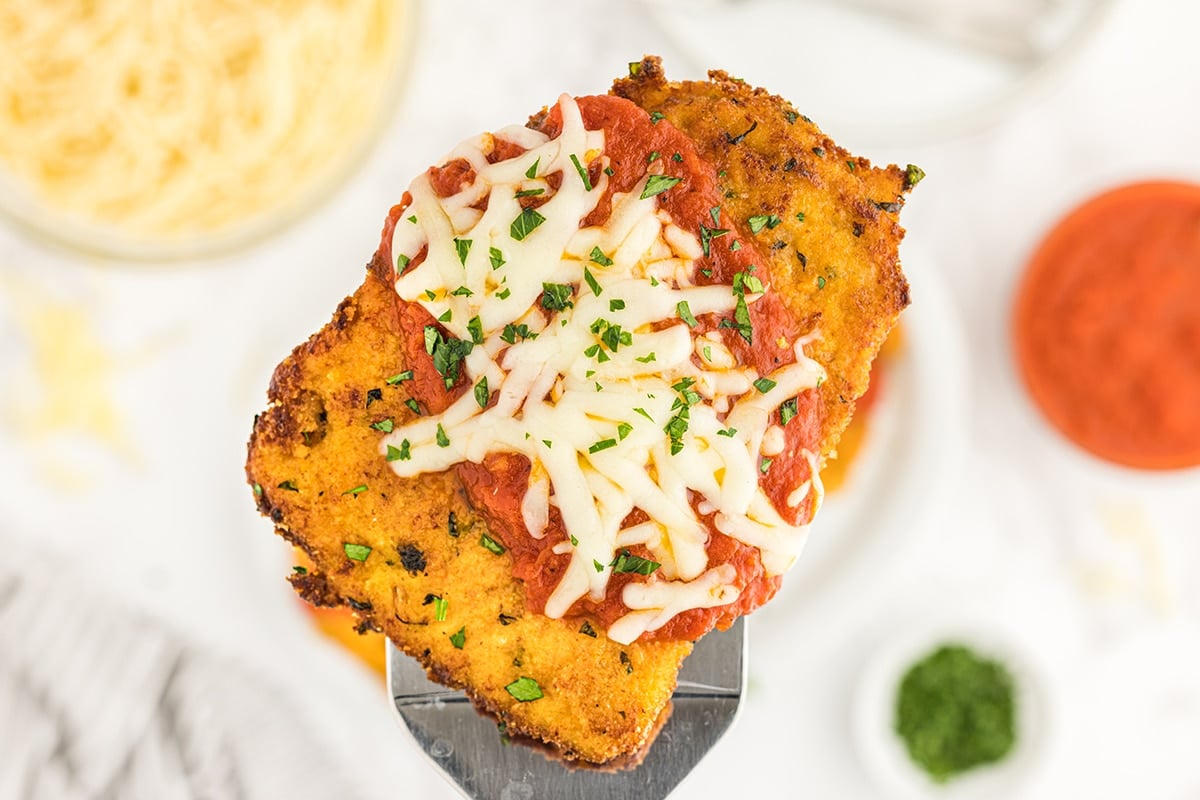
{"x": 462, "y": 247}
{"x": 530, "y": 192}
{"x": 583, "y": 174}
{"x": 657, "y": 184}
{"x": 820, "y": 281}
{"x": 646, "y": 359}
{"x": 746, "y": 282}
{"x": 299, "y": 570}
{"x": 504, "y": 293}
{"x": 598, "y": 257}
{"x": 531, "y": 173}
{"x": 412, "y": 404}
{"x": 481, "y": 392}
{"x": 677, "y": 158}
{"x": 401, "y": 453}
{"x": 402, "y": 262}
{"x": 288, "y": 485}
{"x": 258, "y": 490}
{"x": 385, "y": 425}
{"x": 616, "y": 305}
{"x": 357, "y": 490}
{"x": 765, "y": 465}
{"x": 627, "y": 562}
{"x": 685, "y": 313}
{"x": 612, "y": 336}
{"x": 549, "y": 444}
{"x": 440, "y": 607}
{"x": 460, "y": 638}
{"x": 800, "y": 217}
{"x": 676, "y": 427}
{"x": 913, "y": 175}
{"x": 413, "y": 219}
{"x": 442, "y": 439}
{"x": 644, "y": 413}
{"x": 557, "y": 296}
{"x": 490, "y": 544}
{"x": 609, "y": 171}
{"x": 760, "y": 221}
{"x": 475, "y": 328}
{"x": 462, "y": 291}
{"x": 764, "y": 385}
{"x": 511, "y": 332}
{"x": 728, "y": 432}
{"x": 655, "y": 116}
{"x": 587, "y": 630}
{"x": 445, "y": 317}
{"x": 448, "y": 353}
{"x": 735, "y": 246}
{"x": 787, "y": 411}
{"x": 356, "y": 552}
{"x": 599, "y": 567}
{"x": 707, "y": 235}
{"x": 623, "y": 430}
{"x": 592, "y": 283}
{"x": 603, "y": 444}
{"x": 496, "y": 256}
{"x": 525, "y": 224}
{"x": 654, "y": 156}
{"x": 524, "y": 690}
{"x": 399, "y": 377}
{"x": 432, "y": 295}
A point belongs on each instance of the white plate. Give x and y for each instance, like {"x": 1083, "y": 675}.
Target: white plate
{"x": 880, "y": 71}
{"x": 898, "y": 480}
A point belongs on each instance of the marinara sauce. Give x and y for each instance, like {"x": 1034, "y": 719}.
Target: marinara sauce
{"x": 1107, "y": 325}
{"x": 497, "y": 485}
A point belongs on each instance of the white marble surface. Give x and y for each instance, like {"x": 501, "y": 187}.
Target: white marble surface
{"x": 1094, "y": 571}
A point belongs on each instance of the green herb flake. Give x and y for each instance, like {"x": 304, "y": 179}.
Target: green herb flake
{"x": 412, "y": 404}
{"x": 657, "y": 116}
{"x": 462, "y": 291}
{"x": 760, "y": 221}
{"x": 787, "y": 411}
{"x": 496, "y": 257}
{"x": 599, "y": 567}
{"x": 764, "y": 385}
{"x": 851, "y": 165}
{"x": 413, "y": 219}
{"x": 524, "y": 690}
{"x": 258, "y": 490}
{"x": 609, "y": 171}
{"x": 728, "y": 432}
{"x": 685, "y": 313}
{"x": 597, "y": 256}
{"x": 646, "y": 359}
{"x": 616, "y": 305}
{"x": 644, "y": 413}
{"x": 623, "y": 430}
{"x": 628, "y": 563}
{"x": 525, "y": 224}
{"x": 657, "y": 184}
{"x": 654, "y": 156}
{"x": 299, "y": 570}
{"x": 549, "y": 444}
{"x": 402, "y": 262}
{"x": 583, "y": 173}
{"x": 677, "y": 158}
{"x": 531, "y": 173}
{"x": 529, "y": 193}
{"x": 385, "y": 425}
{"x": 399, "y": 377}
{"x": 288, "y": 485}
{"x": 956, "y": 710}
{"x": 504, "y": 293}
{"x": 511, "y": 332}
{"x": 459, "y": 638}
{"x": 557, "y": 296}
{"x": 430, "y": 294}
{"x": 442, "y": 439}
{"x": 445, "y": 317}
{"x": 707, "y": 235}
{"x": 441, "y": 607}
{"x": 357, "y": 490}
{"x": 356, "y": 552}
{"x": 820, "y": 281}
{"x": 913, "y": 175}
{"x": 765, "y": 465}
{"x": 475, "y": 328}
{"x": 591, "y": 282}
{"x": 800, "y": 217}
{"x": 735, "y": 246}
{"x": 482, "y": 395}
{"x": 603, "y": 444}
{"x": 462, "y": 247}
{"x": 401, "y": 453}
{"x": 491, "y": 545}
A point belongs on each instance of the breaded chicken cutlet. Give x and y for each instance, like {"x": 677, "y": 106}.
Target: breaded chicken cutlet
{"x": 573, "y": 416}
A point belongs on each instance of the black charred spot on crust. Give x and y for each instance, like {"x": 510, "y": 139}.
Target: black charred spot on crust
{"x": 314, "y": 589}
{"x": 506, "y": 619}
{"x": 366, "y": 625}
{"x": 412, "y": 558}
{"x": 429, "y": 598}
{"x": 358, "y": 605}
{"x": 628, "y": 664}
{"x": 373, "y": 396}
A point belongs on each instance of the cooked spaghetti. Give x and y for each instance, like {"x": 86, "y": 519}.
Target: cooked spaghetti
{"x": 171, "y": 118}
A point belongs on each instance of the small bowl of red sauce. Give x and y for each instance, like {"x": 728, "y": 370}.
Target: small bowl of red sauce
{"x": 1106, "y": 326}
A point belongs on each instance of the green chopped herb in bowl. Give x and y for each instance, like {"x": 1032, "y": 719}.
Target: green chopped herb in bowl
{"x": 956, "y": 710}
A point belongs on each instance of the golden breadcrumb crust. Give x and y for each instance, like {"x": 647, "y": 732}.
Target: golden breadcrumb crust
{"x": 314, "y": 446}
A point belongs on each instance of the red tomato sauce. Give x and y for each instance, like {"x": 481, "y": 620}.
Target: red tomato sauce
{"x": 1107, "y": 326}
{"x": 497, "y": 486}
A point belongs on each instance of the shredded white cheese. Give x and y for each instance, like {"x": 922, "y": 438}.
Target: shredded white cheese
{"x": 588, "y": 395}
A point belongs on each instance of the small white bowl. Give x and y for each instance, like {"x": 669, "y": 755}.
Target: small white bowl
{"x": 883, "y": 751}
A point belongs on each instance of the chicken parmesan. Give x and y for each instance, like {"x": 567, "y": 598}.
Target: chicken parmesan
{"x": 575, "y": 416}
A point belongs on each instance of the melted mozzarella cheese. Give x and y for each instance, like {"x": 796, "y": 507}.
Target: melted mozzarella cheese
{"x": 587, "y": 394}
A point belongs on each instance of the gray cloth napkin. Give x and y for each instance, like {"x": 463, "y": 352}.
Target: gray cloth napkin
{"x": 99, "y": 702}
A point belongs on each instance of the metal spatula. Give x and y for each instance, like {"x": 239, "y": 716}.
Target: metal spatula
{"x": 471, "y": 753}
